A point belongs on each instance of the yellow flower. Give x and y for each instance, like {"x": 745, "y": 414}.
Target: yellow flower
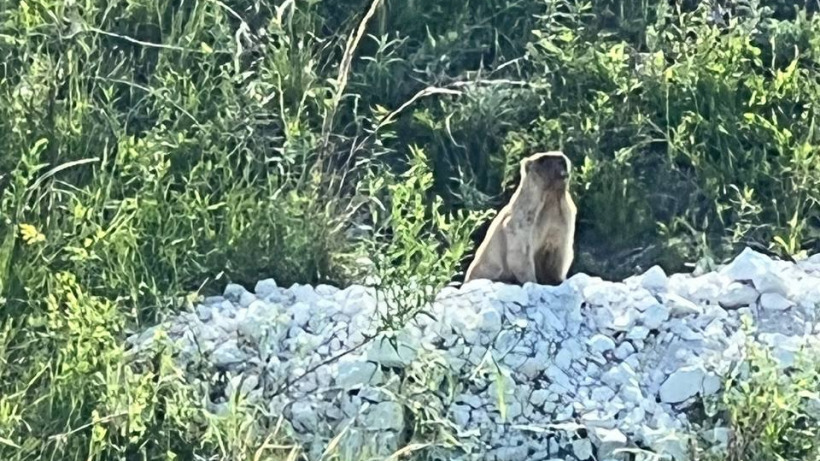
{"x": 31, "y": 235}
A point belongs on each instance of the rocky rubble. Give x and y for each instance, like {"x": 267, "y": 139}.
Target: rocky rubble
{"x": 576, "y": 371}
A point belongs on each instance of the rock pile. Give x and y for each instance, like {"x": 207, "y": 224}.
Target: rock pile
{"x": 515, "y": 373}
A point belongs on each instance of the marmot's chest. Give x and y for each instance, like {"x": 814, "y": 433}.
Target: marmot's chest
{"x": 551, "y": 225}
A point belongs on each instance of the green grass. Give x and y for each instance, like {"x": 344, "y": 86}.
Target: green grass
{"x": 154, "y": 150}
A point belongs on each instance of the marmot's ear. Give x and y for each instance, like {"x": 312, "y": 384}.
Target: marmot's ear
{"x": 526, "y": 163}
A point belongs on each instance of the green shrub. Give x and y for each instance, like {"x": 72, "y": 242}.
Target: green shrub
{"x": 771, "y": 412}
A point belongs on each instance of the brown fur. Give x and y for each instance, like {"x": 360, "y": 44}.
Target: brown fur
{"x": 531, "y": 238}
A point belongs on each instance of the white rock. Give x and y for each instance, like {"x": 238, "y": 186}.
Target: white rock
{"x": 461, "y": 415}
{"x": 578, "y": 352}
{"x": 623, "y": 318}
{"x": 563, "y": 359}
{"x": 655, "y": 316}
{"x": 624, "y": 350}
{"x": 384, "y": 352}
{"x": 228, "y": 354}
{"x": 304, "y": 417}
{"x": 490, "y": 321}
{"x": 771, "y": 282}
{"x": 242, "y": 383}
{"x": 679, "y": 306}
{"x": 631, "y": 394}
{"x": 746, "y": 266}
{"x": 265, "y": 288}
{"x": 607, "y": 441}
{"x": 671, "y": 444}
{"x": 205, "y": 313}
{"x": 718, "y": 437}
{"x": 582, "y": 449}
{"x": 711, "y": 384}
{"x": 682, "y": 384}
{"x": 303, "y": 293}
{"x": 471, "y": 400}
{"x": 774, "y": 302}
{"x": 639, "y": 332}
{"x": 553, "y": 321}
{"x": 557, "y": 376}
{"x": 514, "y": 294}
{"x": 785, "y": 349}
{"x": 326, "y": 290}
{"x": 654, "y": 279}
{"x": 233, "y": 292}
{"x": 353, "y": 374}
{"x": 386, "y": 416}
{"x": 619, "y": 374}
{"x": 635, "y": 417}
{"x": 738, "y": 294}
{"x": 599, "y": 344}
{"x": 602, "y": 394}
{"x": 302, "y": 313}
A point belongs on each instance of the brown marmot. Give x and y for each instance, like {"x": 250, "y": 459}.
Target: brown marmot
{"x": 531, "y": 238}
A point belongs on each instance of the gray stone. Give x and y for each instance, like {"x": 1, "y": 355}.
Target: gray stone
{"x": 711, "y": 384}
{"x": 228, "y": 355}
{"x": 386, "y": 416}
{"x": 639, "y": 332}
{"x": 654, "y": 279}
{"x": 624, "y": 350}
{"x": 388, "y": 354}
{"x": 655, "y": 316}
{"x": 354, "y": 374}
{"x": 602, "y": 394}
{"x": 563, "y": 359}
{"x": 461, "y": 415}
{"x": 599, "y": 344}
{"x": 682, "y": 384}
{"x": 771, "y": 282}
{"x": 304, "y": 417}
{"x": 233, "y": 292}
{"x": 679, "y": 306}
{"x": 557, "y": 376}
{"x": 265, "y": 288}
{"x": 746, "y": 266}
{"x": 607, "y": 441}
{"x": 718, "y": 437}
{"x": 243, "y": 384}
{"x": 774, "y": 302}
{"x": 631, "y": 394}
{"x": 513, "y": 294}
{"x": 326, "y": 290}
{"x": 538, "y": 397}
{"x": 204, "y": 312}
{"x": 738, "y": 294}
{"x": 582, "y": 449}
{"x": 303, "y": 293}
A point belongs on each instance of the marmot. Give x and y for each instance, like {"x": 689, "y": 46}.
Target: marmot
{"x": 531, "y": 238}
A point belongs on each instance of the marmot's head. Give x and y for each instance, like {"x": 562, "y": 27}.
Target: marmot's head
{"x": 549, "y": 169}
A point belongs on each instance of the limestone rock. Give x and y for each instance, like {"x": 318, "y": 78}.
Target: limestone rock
{"x": 738, "y": 294}
{"x": 774, "y": 302}
{"x": 619, "y": 359}
{"x": 682, "y": 384}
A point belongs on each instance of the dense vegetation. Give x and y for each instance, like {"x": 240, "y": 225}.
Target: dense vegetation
{"x": 150, "y": 150}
